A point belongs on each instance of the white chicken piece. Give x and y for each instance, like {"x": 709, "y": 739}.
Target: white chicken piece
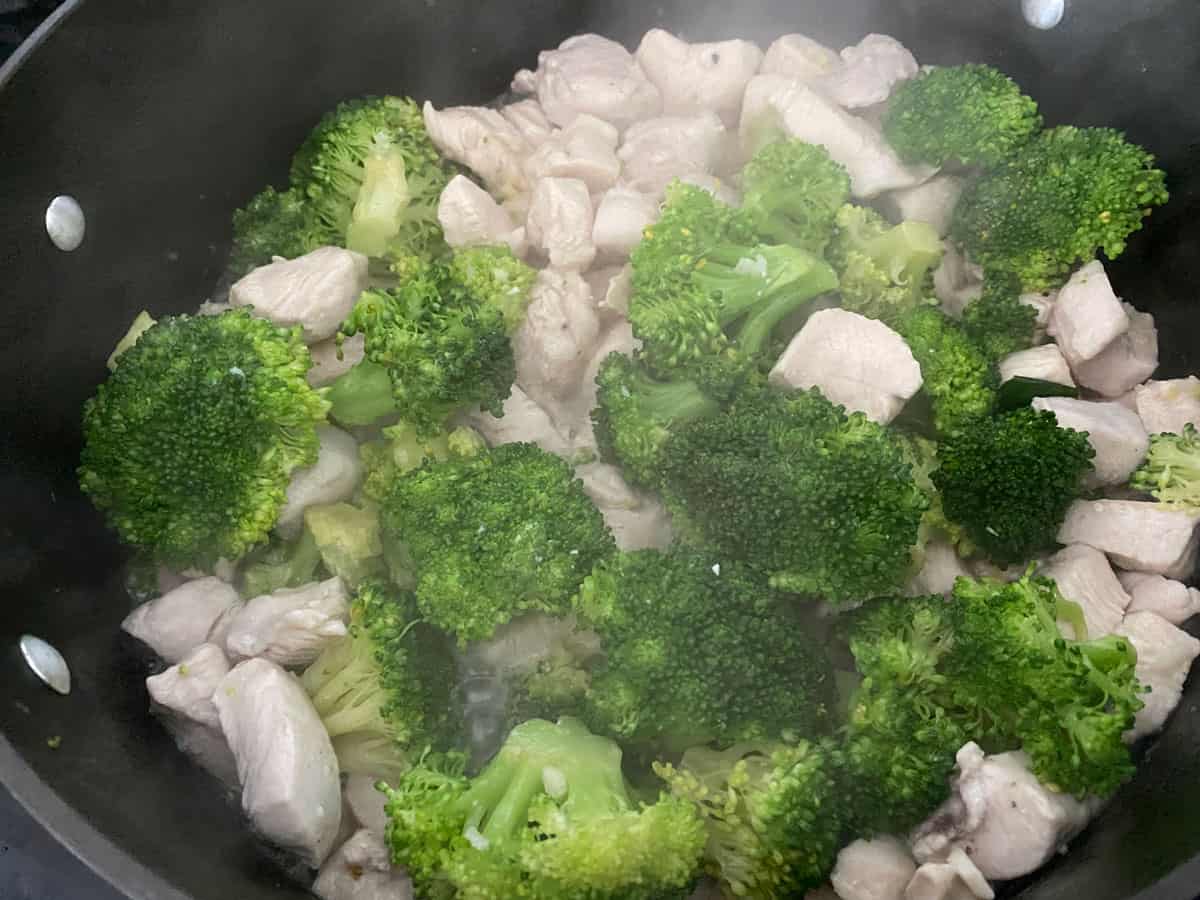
{"x": 523, "y": 420}
{"x": 697, "y": 78}
{"x": 285, "y": 761}
{"x": 181, "y": 697}
{"x": 590, "y": 74}
{"x": 361, "y": 869}
{"x": 327, "y": 366}
{"x": 1173, "y": 600}
{"x": 612, "y": 287}
{"x": 1126, "y": 362}
{"x": 932, "y": 202}
{"x": 636, "y": 520}
{"x": 940, "y": 568}
{"x": 657, "y": 151}
{"x": 855, "y": 361}
{"x": 869, "y": 71}
{"x": 315, "y": 291}
{"x": 1164, "y": 657}
{"x": 1116, "y": 434}
{"x": 291, "y": 626}
{"x": 803, "y": 112}
{"x": 1137, "y": 535}
{"x": 333, "y": 478}
{"x": 1001, "y": 816}
{"x": 721, "y": 190}
{"x": 1045, "y": 362}
{"x": 1042, "y": 306}
{"x": 1087, "y": 315}
{"x": 560, "y": 223}
{"x": 799, "y": 56}
{"x": 938, "y": 881}
{"x": 957, "y": 283}
{"x": 471, "y": 218}
{"x": 877, "y": 869}
{"x": 586, "y": 149}
{"x": 622, "y": 217}
{"x": 485, "y": 142}
{"x": 366, "y": 803}
{"x": 1168, "y": 406}
{"x": 178, "y": 621}
{"x": 528, "y": 117}
{"x": 1084, "y": 576}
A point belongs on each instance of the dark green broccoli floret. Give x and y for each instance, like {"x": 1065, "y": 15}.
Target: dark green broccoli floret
{"x": 190, "y": 444}
{"x": 1009, "y": 480}
{"x": 497, "y": 278}
{"x": 1171, "y": 471}
{"x": 1066, "y": 195}
{"x": 791, "y": 191}
{"x": 275, "y": 223}
{"x": 998, "y": 321}
{"x": 971, "y": 114}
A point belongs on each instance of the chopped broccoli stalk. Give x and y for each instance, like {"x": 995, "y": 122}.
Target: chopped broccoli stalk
{"x": 1171, "y": 471}
{"x": 998, "y": 321}
{"x": 362, "y": 396}
{"x": 382, "y": 197}
{"x": 791, "y": 192}
{"x": 348, "y": 540}
{"x": 137, "y": 328}
{"x": 280, "y": 565}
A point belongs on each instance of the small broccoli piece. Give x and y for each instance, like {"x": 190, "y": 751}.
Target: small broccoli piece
{"x": 348, "y": 541}
{"x": 998, "y": 322}
{"x": 280, "y": 565}
{"x": 497, "y": 278}
{"x": 1009, "y": 480}
{"x": 275, "y": 223}
{"x": 885, "y": 269}
{"x": 402, "y": 449}
{"x": 492, "y": 535}
{"x": 141, "y": 323}
{"x": 362, "y": 396}
{"x": 191, "y": 442}
{"x": 549, "y": 818}
{"x": 1171, "y": 472}
{"x": 791, "y": 192}
{"x": 1066, "y": 195}
{"x": 384, "y": 691}
{"x": 922, "y": 454}
{"x": 972, "y": 114}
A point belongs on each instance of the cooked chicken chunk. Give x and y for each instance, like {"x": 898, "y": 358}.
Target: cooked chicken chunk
{"x": 333, "y": 478}
{"x": 657, "y": 151}
{"x": 528, "y": 117}
{"x": 1136, "y": 535}
{"x": 361, "y": 869}
{"x": 327, "y": 367}
{"x": 471, "y": 218}
{"x": 869, "y": 71}
{"x": 291, "y": 626}
{"x": 1045, "y": 362}
{"x": 636, "y": 520}
{"x": 1164, "y": 657}
{"x": 1087, "y": 315}
{"x": 560, "y": 223}
{"x": 699, "y": 78}
{"x": 366, "y": 803}
{"x": 855, "y": 361}
{"x": 937, "y": 881}
{"x": 940, "y": 568}
{"x": 315, "y": 291}
{"x": 181, "y": 697}
{"x": 1114, "y": 432}
{"x": 1168, "y": 406}
{"x": 1173, "y": 600}
{"x": 1126, "y": 362}
{"x": 1084, "y": 576}
{"x": 878, "y": 869}
{"x": 285, "y": 761}
{"x": 621, "y": 218}
{"x": 586, "y": 149}
{"x": 800, "y": 57}
{"x": 523, "y": 420}
{"x": 613, "y": 293}
{"x": 932, "y": 202}
{"x": 485, "y": 142}
{"x": 175, "y": 623}
{"x": 957, "y": 283}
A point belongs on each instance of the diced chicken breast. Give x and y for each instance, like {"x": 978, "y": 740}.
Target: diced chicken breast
{"x": 937, "y": 881}
{"x": 1084, "y": 576}
{"x": 181, "y": 697}
{"x": 1087, "y": 315}
{"x": 1126, "y": 362}
{"x": 612, "y": 287}
{"x": 657, "y": 151}
{"x": 523, "y": 420}
{"x": 291, "y": 626}
{"x": 878, "y": 869}
{"x": 1164, "y": 657}
{"x": 800, "y": 57}
{"x": 333, "y": 478}
{"x": 288, "y": 772}
{"x": 590, "y": 74}
{"x": 528, "y": 117}
{"x": 855, "y": 361}
{"x": 722, "y": 190}
{"x": 941, "y": 567}
{"x": 698, "y": 78}
{"x": 1168, "y": 406}
{"x": 870, "y": 70}
{"x": 1045, "y": 362}
{"x": 485, "y": 142}
{"x": 366, "y": 803}
{"x": 175, "y": 623}
{"x": 621, "y": 219}
{"x": 932, "y": 202}
{"x": 361, "y": 869}
{"x": 327, "y": 367}
{"x": 1137, "y": 535}
{"x": 471, "y": 218}
{"x": 957, "y": 283}
{"x": 586, "y": 149}
{"x": 637, "y": 521}
{"x": 1042, "y": 305}
{"x": 560, "y": 223}
{"x": 1116, "y": 434}
{"x": 315, "y": 291}
{"x": 1173, "y": 600}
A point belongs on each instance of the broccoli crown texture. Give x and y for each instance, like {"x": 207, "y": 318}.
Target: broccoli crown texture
{"x": 791, "y": 192}
{"x": 998, "y": 322}
{"x": 1171, "y": 472}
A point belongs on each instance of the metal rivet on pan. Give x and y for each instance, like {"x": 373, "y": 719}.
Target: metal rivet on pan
{"x": 65, "y": 222}
{"x": 1043, "y": 14}
{"x": 47, "y": 663}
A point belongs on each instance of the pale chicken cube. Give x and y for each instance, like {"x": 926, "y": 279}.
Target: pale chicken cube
{"x": 361, "y": 869}
{"x": 697, "y": 78}
{"x": 1045, "y": 362}
{"x": 1116, "y": 434}
{"x": 586, "y": 149}
{"x": 288, "y": 772}
{"x": 877, "y": 869}
{"x": 333, "y": 478}
{"x": 637, "y": 521}
{"x": 799, "y": 56}
{"x": 719, "y": 188}
{"x": 941, "y": 566}
{"x": 857, "y": 362}
{"x": 869, "y": 71}
{"x": 485, "y": 142}
{"x": 1169, "y": 406}
{"x": 612, "y": 286}
{"x": 1173, "y": 600}
{"x": 1164, "y": 658}
{"x": 181, "y": 696}
{"x": 1087, "y": 315}
{"x": 560, "y": 223}
{"x": 1126, "y": 362}
{"x": 657, "y": 151}
{"x": 1137, "y": 535}
{"x": 179, "y": 621}
{"x": 366, "y": 802}
{"x": 470, "y": 217}
{"x": 932, "y": 202}
{"x": 523, "y": 421}
{"x": 590, "y": 74}
{"x": 329, "y": 362}
{"x": 315, "y": 291}
{"x": 622, "y": 218}
{"x": 528, "y": 117}
{"x": 1042, "y": 306}
{"x": 1084, "y": 576}
{"x": 957, "y": 282}
{"x": 937, "y": 881}
{"x": 291, "y": 626}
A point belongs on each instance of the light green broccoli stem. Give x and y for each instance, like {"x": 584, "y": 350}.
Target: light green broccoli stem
{"x": 1171, "y": 472}
{"x": 384, "y": 194}
{"x": 345, "y": 688}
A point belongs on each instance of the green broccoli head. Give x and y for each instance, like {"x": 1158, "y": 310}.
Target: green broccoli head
{"x": 1066, "y": 195}
{"x": 972, "y": 114}
{"x": 497, "y": 278}
{"x": 191, "y": 442}
{"x": 402, "y": 448}
{"x": 1009, "y": 480}
{"x": 275, "y": 223}
{"x": 922, "y": 454}
{"x": 791, "y": 192}
{"x": 495, "y": 534}
{"x": 1171, "y": 472}
{"x": 998, "y": 322}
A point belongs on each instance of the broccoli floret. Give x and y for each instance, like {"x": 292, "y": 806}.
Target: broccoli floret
{"x": 1171, "y": 472}
{"x": 972, "y": 114}
{"x": 348, "y": 540}
{"x": 548, "y": 819}
{"x": 191, "y": 442}
{"x": 497, "y": 278}
{"x": 791, "y": 192}
{"x": 280, "y": 565}
{"x": 1008, "y": 481}
{"x": 384, "y": 692}
{"x": 495, "y": 534}
{"x": 1064, "y": 196}
{"x": 691, "y": 653}
{"x": 744, "y": 480}
{"x": 885, "y": 270}
{"x": 998, "y": 322}
{"x": 275, "y": 223}
{"x": 401, "y": 449}
{"x": 771, "y": 811}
